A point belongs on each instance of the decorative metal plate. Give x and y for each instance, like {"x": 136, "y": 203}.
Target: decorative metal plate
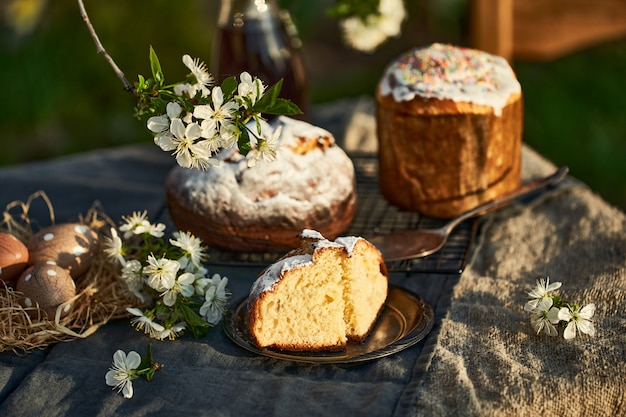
{"x": 405, "y": 320}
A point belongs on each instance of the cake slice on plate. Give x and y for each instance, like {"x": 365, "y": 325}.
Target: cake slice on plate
{"x": 320, "y": 297}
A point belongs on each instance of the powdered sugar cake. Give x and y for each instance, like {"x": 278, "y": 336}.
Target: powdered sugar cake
{"x": 263, "y": 208}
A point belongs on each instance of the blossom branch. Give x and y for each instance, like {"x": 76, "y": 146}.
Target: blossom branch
{"x": 194, "y": 119}
{"x": 100, "y": 49}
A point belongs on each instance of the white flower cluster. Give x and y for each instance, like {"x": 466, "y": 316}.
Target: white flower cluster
{"x": 169, "y": 277}
{"x": 548, "y": 310}
{"x": 195, "y": 135}
{"x": 366, "y": 35}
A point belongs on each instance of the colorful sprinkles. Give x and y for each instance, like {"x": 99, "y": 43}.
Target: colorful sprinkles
{"x": 446, "y": 64}
{"x": 452, "y": 72}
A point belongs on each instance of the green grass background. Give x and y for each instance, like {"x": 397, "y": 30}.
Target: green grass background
{"x": 58, "y": 96}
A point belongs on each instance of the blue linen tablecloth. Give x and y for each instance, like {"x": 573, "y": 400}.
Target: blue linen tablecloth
{"x": 210, "y": 376}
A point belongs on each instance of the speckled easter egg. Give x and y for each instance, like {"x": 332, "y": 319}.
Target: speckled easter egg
{"x": 48, "y": 286}
{"x": 13, "y": 257}
{"x": 69, "y": 245}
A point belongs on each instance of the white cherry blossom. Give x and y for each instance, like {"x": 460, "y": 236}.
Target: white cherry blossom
{"x": 161, "y": 273}
{"x": 153, "y": 229}
{"x": 161, "y": 123}
{"x": 578, "y": 320}
{"x": 267, "y": 147}
{"x": 544, "y": 320}
{"x": 173, "y": 332}
{"x": 249, "y": 88}
{"x": 540, "y": 297}
{"x": 191, "y": 247}
{"x": 144, "y": 323}
{"x": 219, "y": 113}
{"x": 198, "y": 69}
{"x": 123, "y": 371}
{"x": 216, "y": 299}
{"x": 132, "y": 222}
{"x": 184, "y": 285}
{"x": 114, "y": 247}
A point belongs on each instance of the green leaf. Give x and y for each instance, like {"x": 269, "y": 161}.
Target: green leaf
{"x": 196, "y": 324}
{"x": 155, "y": 66}
{"x": 348, "y": 8}
{"x": 146, "y": 361}
{"x": 141, "y": 84}
{"x": 243, "y": 142}
{"x": 199, "y": 332}
{"x": 270, "y": 103}
{"x": 229, "y": 87}
{"x": 191, "y": 317}
{"x": 158, "y": 104}
{"x": 283, "y": 107}
{"x": 269, "y": 98}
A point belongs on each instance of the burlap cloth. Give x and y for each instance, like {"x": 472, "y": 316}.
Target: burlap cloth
{"x": 487, "y": 359}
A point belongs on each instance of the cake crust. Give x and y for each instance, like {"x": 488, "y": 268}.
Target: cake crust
{"x": 452, "y": 156}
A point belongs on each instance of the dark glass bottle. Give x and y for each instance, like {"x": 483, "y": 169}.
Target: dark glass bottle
{"x": 255, "y": 36}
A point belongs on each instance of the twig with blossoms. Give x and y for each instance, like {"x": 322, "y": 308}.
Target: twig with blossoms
{"x": 193, "y": 119}
{"x": 196, "y": 119}
{"x": 128, "y": 367}
{"x": 548, "y": 310}
{"x": 167, "y": 276}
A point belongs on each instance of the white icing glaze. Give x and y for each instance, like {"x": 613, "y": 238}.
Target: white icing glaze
{"x": 448, "y": 72}
{"x": 348, "y": 242}
{"x": 324, "y": 243}
{"x": 278, "y": 193}
{"x": 272, "y": 274}
{"x": 311, "y": 234}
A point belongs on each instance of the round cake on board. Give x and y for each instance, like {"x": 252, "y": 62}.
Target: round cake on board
{"x": 263, "y": 208}
{"x": 449, "y": 124}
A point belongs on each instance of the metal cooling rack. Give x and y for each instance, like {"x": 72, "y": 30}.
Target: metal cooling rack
{"x": 374, "y": 215}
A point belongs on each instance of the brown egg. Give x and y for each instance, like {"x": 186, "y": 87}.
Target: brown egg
{"x": 13, "y": 257}
{"x": 70, "y": 245}
{"x": 47, "y": 285}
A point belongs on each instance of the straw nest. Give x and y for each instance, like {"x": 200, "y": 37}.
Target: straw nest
{"x": 101, "y": 294}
